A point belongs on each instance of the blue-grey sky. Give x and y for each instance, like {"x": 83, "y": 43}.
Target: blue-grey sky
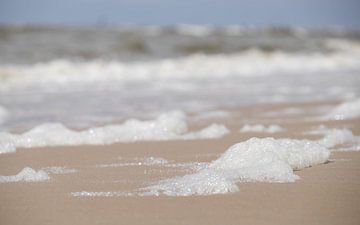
{"x": 164, "y": 12}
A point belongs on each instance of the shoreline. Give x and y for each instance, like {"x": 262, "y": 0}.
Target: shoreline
{"x": 325, "y": 194}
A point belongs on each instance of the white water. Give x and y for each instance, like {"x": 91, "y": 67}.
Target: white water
{"x": 194, "y": 67}
{"x": 27, "y": 174}
{"x": 171, "y": 126}
{"x": 86, "y": 93}
{"x": 346, "y": 110}
{"x": 273, "y": 128}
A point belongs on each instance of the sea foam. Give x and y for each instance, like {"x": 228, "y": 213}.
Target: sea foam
{"x": 273, "y": 128}
{"x": 170, "y": 126}
{"x": 27, "y": 174}
{"x": 257, "y": 159}
{"x": 58, "y": 170}
{"x": 347, "y": 110}
{"x": 194, "y": 67}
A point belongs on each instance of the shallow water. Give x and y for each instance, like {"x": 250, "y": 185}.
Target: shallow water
{"x": 86, "y": 77}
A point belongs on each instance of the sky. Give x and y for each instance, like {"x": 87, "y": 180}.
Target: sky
{"x": 310, "y": 13}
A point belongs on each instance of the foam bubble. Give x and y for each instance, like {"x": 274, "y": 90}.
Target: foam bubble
{"x": 27, "y": 174}
{"x": 346, "y": 110}
{"x": 213, "y": 131}
{"x": 155, "y": 161}
{"x": 257, "y": 159}
{"x": 99, "y": 194}
{"x": 334, "y": 137}
{"x": 150, "y": 161}
{"x": 58, "y": 170}
{"x": 170, "y": 126}
{"x": 261, "y": 128}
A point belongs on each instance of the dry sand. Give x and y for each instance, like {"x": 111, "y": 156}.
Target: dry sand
{"x": 325, "y": 194}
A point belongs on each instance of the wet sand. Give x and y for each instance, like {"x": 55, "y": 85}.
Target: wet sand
{"x": 325, "y": 194}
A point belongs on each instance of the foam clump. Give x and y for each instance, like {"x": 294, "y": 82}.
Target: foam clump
{"x": 257, "y": 159}
{"x": 59, "y": 170}
{"x": 335, "y": 137}
{"x": 155, "y": 161}
{"x": 259, "y": 128}
{"x": 171, "y": 126}
{"x": 213, "y": 131}
{"x": 346, "y": 110}
{"x": 27, "y": 174}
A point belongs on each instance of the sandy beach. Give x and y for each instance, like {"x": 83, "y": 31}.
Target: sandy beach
{"x": 325, "y": 194}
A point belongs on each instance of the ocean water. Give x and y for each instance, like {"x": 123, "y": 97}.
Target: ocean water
{"x": 85, "y": 77}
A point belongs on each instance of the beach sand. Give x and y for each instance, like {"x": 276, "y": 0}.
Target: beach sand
{"x": 325, "y": 194}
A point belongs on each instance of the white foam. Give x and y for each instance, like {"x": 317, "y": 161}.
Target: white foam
{"x": 256, "y": 159}
{"x": 335, "y": 137}
{"x": 273, "y": 128}
{"x": 27, "y": 174}
{"x": 213, "y": 131}
{"x": 355, "y": 148}
{"x": 346, "y": 110}
{"x": 58, "y": 170}
{"x": 100, "y": 194}
{"x": 171, "y": 126}
{"x": 195, "y": 67}
{"x": 150, "y": 161}
{"x": 155, "y": 161}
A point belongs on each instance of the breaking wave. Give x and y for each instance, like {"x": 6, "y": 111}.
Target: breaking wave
{"x": 194, "y": 67}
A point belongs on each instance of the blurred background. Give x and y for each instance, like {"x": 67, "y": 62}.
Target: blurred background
{"x": 86, "y": 63}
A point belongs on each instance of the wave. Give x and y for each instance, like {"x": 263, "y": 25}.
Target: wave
{"x": 195, "y": 67}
